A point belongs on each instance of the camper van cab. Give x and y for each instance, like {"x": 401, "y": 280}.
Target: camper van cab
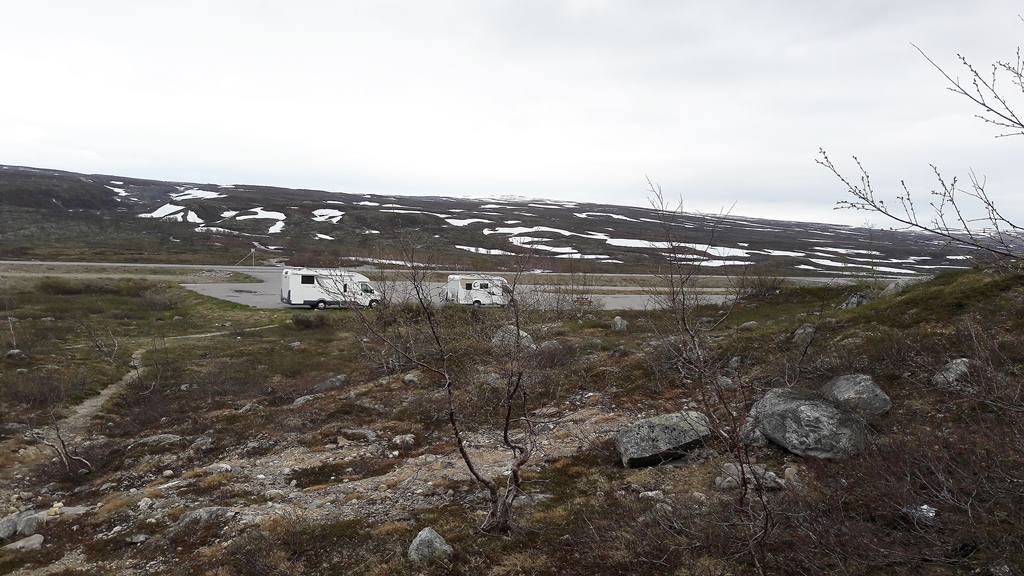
{"x": 476, "y": 290}
{"x": 320, "y": 288}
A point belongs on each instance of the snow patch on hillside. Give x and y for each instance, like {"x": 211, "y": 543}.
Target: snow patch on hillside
{"x": 261, "y": 213}
{"x": 327, "y": 214}
{"x": 162, "y": 211}
{"x": 488, "y": 251}
{"x": 195, "y": 193}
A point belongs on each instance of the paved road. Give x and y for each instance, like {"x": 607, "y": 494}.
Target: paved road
{"x": 266, "y": 293}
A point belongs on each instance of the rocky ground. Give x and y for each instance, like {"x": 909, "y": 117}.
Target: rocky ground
{"x": 168, "y": 484}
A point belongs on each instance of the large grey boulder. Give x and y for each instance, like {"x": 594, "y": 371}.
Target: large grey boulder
{"x": 30, "y": 522}
{"x": 804, "y": 425}
{"x": 899, "y": 286}
{"x": 756, "y": 476}
{"x": 505, "y": 339}
{"x": 8, "y": 526}
{"x": 332, "y": 383}
{"x": 952, "y": 374}
{"x": 803, "y": 336}
{"x": 859, "y": 393}
{"x": 655, "y": 440}
{"x": 196, "y": 518}
{"x": 15, "y": 355}
{"x": 156, "y": 444}
{"x": 301, "y": 400}
{"x": 619, "y": 325}
{"x": 428, "y": 546}
{"x": 31, "y": 543}
{"x": 854, "y": 301}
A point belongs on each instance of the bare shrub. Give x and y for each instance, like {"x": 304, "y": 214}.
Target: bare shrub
{"x": 762, "y": 281}
{"x": 310, "y": 320}
{"x": 955, "y": 212}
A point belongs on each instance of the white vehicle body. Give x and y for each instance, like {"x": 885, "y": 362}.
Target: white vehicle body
{"x": 476, "y": 290}
{"x": 319, "y": 288}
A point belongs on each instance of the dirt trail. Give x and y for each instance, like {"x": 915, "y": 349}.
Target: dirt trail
{"x": 74, "y": 426}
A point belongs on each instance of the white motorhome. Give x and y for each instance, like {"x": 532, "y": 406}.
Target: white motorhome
{"x": 320, "y": 288}
{"x": 476, "y": 290}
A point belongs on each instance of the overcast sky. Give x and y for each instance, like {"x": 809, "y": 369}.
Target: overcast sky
{"x": 723, "y": 103}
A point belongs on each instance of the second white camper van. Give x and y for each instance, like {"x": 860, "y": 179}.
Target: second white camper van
{"x": 476, "y": 290}
{"x": 320, "y": 288}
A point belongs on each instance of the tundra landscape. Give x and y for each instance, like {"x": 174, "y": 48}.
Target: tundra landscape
{"x": 790, "y": 398}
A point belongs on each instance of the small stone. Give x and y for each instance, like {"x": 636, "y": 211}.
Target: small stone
{"x": 428, "y": 546}
{"x": 168, "y": 474}
{"x": 145, "y": 504}
{"x": 403, "y": 440}
{"x": 137, "y": 539}
{"x": 790, "y": 474}
{"x": 306, "y": 399}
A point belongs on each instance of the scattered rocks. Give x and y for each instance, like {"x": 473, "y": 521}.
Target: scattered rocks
{"x": 859, "y": 393}
{"x": 661, "y": 438}
{"x": 360, "y": 433}
{"x": 724, "y": 383}
{"x": 200, "y": 517}
{"x": 620, "y": 352}
{"x": 332, "y": 383}
{"x": 252, "y": 408}
{"x": 429, "y": 546}
{"x": 201, "y": 444}
{"x": 403, "y": 440}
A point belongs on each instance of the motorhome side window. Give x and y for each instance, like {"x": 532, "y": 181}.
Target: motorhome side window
{"x": 469, "y": 285}
{"x": 484, "y": 285}
{"x": 308, "y": 279}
